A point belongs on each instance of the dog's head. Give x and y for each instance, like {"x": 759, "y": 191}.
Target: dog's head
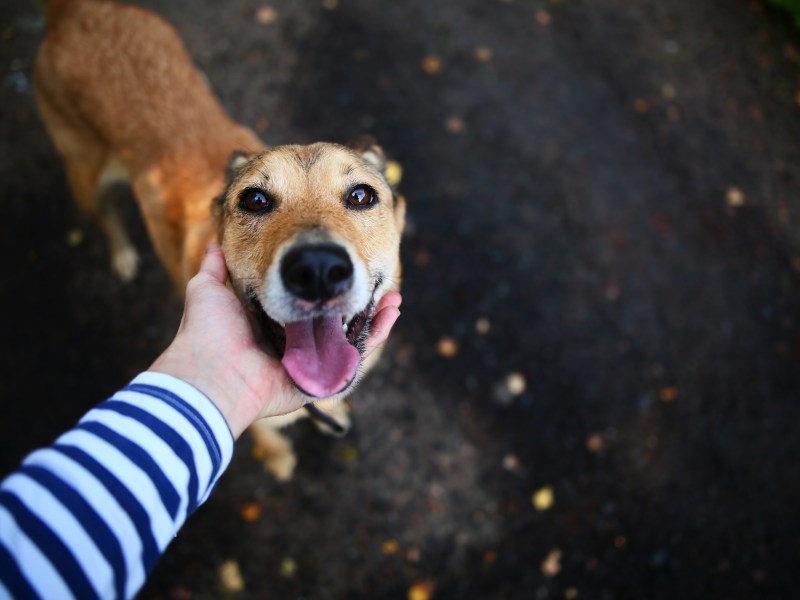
{"x": 311, "y": 236}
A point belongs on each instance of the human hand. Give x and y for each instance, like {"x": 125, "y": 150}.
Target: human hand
{"x": 216, "y": 349}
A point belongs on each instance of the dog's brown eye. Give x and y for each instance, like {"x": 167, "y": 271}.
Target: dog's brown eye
{"x": 361, "y": 197}
{"x": 254, "y": 200}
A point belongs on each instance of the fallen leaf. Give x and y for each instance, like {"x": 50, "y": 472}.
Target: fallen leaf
{"x": 543, "y": 17}
{"x": 510, "y": 462}
{"x": 551, "y": 565}
{"x": 490, "y": 557}
{"x": 735, "y": 197}
{"x": 797, "y": 98}
{"x": 668, "y": 91}
{"x": 673, "y": 114}
{"x": 421, "y": 590}
{"x": 266, "y": 15}
{"x": 483, "y": 53}
{"x": 393, "y": 172}
{"x": 288, "y": 567}
{"x": 431, "y": 64}
{"x": 641, "y": 106}
{"x": 620, "y": 541}
{"x": 330, "y": 4}
{"x": 595, "y": 443}
{"x": 543, "y": 498}
{"x": 668, "y": 394}
{"x": 455, "y": 125}
{"x": 447, "y": 347}
{"x": 483, "y": 325}
{"x": 516, "y": 383}
{"x": 571, "y": 593}
{"x": 75, "y": 237}
{"x": 349, "y": 453}
{"x": 389, "y": 547}
{"x": 230, "y": 577}
{"x": 251, "y": 512}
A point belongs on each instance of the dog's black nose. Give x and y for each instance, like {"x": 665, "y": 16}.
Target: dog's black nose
{"x": 318, "y": 272}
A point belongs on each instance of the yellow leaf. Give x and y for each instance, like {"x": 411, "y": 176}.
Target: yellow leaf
{"x": 393, "y": 172}
{"x": 543, "y": 498}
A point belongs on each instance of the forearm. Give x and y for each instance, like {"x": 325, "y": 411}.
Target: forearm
{"x": 90, "y": 515}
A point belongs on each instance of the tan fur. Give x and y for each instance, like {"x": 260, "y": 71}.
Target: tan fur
{"x": 122, "y": 101}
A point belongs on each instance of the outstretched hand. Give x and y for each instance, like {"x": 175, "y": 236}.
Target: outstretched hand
{"x": 216, "y": 349}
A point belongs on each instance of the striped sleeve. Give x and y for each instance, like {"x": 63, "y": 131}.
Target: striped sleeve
{"x": 89, "y": 516}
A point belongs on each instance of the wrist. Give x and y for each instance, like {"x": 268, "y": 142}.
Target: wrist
{"x": 228, "y": 394}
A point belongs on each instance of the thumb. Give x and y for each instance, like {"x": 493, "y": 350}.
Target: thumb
{"x": 214, "y": 264}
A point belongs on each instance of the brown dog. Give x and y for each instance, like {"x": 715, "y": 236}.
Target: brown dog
{"x": 311, "y": 234}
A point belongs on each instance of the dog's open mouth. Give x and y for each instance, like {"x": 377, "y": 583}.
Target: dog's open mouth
{"x": 321, "y": 354}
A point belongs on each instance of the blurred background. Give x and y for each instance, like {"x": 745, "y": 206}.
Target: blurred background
{"x": 594, "y": 388}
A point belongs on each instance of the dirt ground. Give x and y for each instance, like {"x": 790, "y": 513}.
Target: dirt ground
{"x": 601, "y": 299}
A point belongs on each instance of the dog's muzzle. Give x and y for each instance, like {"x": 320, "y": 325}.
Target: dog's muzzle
{"x": 317, "y": 273}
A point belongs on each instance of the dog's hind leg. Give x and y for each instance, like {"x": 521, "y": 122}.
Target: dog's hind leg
{"x": 124, "y": 257}
{"x": 91, "y": 186}
{"x": 91, "y": 171}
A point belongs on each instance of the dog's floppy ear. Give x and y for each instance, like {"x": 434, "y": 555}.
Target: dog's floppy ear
{"x": 367, "y": 146}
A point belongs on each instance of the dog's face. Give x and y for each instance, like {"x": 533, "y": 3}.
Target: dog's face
{"x": 311, "y": 236}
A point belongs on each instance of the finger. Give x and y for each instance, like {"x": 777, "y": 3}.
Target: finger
{"x": 214, "y": 264}
{"x": 389, "y": 299}
{"x": 382, "y": 324}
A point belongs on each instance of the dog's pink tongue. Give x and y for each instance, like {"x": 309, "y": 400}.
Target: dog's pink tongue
{"x": 318, "y": 357}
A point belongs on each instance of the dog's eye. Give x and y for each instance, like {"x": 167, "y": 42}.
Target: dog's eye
{"x": 254, "y": 200}
{"x": 361, "y": 197}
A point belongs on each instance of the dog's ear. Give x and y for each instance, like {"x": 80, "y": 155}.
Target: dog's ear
{"x": 235, "y": 163}
{"x": 368, "y": 147}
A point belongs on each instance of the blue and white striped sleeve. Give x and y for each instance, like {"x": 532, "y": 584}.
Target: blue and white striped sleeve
{"x": 89, "y": 516}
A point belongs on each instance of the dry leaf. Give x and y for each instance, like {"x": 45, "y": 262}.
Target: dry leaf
{"x": 551, "y": 565}
{"x": 75, "y": 237}
{"x": 330, "y": 4}
{"x": 668, "y": 394}
{"x": 431, "y": 64}
{"x": 543, "y": 498}
{"x": 734, "y": 196}
{"x": 266, "y": 15}
{"x": 251, "y": 511}
{"x": 571, "y": 593}
{"x": 447, "y": 347}
{"x": 230, "y": 577}
{"x": 641, "y": 106}
{"x": 543, "y": 17}
{"x": 393, "y": 172}
{"x": 421, "y": 590}
{"x": 288, "y": 567}
{"x": 483, "y": 325}
{"x": 516, "y": 383}
{"x": 455, "y": 125}
{"x": 595, "y": 442}
{"x": 510, "y": 462}
{"x": 389, "y": 547}
{"x": 483, "y": 53}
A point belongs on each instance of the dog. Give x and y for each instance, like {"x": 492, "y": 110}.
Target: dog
{"x": 310, "y": 233}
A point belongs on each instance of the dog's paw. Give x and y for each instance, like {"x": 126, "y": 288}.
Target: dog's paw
{"x": 125, "y": 262}
{"x": 281, "y": 465}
